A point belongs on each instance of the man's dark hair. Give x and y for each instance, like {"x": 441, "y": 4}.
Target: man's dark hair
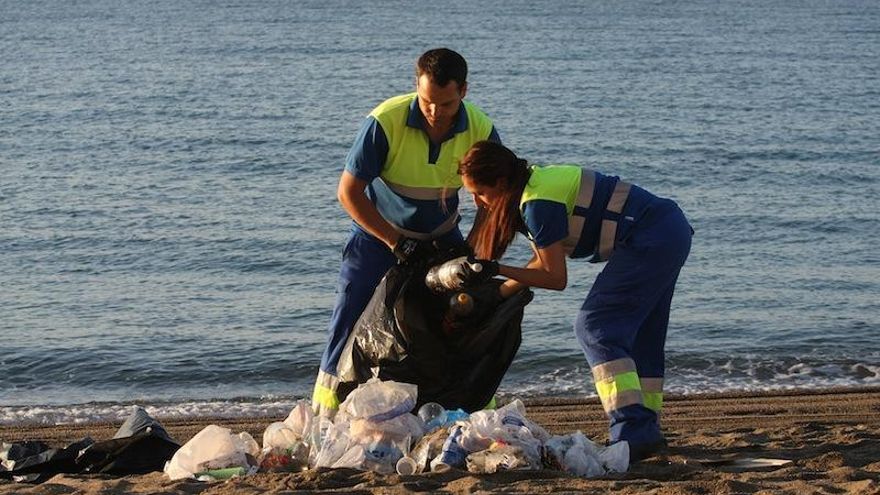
{"x": 442, "y": 65}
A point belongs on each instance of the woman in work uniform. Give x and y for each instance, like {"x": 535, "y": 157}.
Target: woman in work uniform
{"x": 569, "y": 211}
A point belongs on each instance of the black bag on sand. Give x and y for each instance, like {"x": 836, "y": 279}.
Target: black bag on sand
{"x": 141, "y": 445}
{"x": 408, "y": 334}
{"x": 35, "y": 462}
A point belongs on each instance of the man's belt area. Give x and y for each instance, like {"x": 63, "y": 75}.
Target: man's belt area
{"x": 425, "y": 193}
{"x": 443, "y": 228}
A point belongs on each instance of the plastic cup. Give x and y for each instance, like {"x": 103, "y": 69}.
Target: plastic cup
{"x": 407, "y": 465}
{"x": 430, "y": 412}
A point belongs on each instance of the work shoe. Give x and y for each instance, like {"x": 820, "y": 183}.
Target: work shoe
{"x": 638, "y": 452}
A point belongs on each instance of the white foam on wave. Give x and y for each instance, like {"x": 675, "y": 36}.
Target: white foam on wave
{"x": 757, "y": 375}
{"x": 117, "y": 412}
{"x": 574, "y": 381}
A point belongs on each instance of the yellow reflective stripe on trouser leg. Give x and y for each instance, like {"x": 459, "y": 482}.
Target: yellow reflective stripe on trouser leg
{"x": 652, "y": 390}
{"x": 617, "y": 384}
{"x": 324, "y": 399}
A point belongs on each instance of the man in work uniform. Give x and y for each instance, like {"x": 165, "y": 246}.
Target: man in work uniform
{"x": 400, "y": 186}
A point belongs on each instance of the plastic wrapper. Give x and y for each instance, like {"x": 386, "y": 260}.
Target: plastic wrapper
{"x": 293, "y": 458}
{"x": 500, "y": 457}
{"x": 507, "y": 425}
{"x": 576, "y": 454}
{"x": 289, "y": 445}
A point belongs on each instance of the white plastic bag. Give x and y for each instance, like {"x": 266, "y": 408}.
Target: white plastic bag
{"x": 301, "y": 419}
{"x": 615, "y": 457}
{"x": 212, "y": 448}
{"x": 577, "y": 454}
{"x": 334, "y": 444}
{"x": 279, "y": 435}
{"x": 378, "y": 400}
{"x": 403, "y": 425}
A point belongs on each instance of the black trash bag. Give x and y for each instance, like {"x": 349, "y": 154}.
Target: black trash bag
{"x": 141, "y": 445}
{"x": 407, "y": 334}
{"x": 35, "y": 462}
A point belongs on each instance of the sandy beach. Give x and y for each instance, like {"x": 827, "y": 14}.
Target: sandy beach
{"x": 831, "y": 437}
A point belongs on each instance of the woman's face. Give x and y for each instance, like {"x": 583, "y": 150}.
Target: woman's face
{"x": 484, "y": 196}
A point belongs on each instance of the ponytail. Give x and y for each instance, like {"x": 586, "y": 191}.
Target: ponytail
{"x": 491, "y": 164}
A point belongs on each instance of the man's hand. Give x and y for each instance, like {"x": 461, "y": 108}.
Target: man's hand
{"x": 407, "y": 248}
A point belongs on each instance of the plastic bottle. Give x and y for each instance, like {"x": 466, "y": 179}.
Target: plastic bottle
{"x": 453, "y": 454}
{"x": 461, "y": 304}
{"x": 444, "y": 277}
{"x": 222, "y": 474}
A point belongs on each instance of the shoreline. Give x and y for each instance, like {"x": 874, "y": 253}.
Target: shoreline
{"x": 831, "y": 437}
{"x": 556, "y": 414}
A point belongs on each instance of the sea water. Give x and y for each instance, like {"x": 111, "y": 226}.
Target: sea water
{"x": 169, "y": 233}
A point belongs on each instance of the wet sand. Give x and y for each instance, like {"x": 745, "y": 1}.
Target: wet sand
{"x": 832, "y": 438}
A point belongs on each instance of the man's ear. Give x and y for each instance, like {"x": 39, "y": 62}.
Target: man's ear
{"x": 462, "y": 91}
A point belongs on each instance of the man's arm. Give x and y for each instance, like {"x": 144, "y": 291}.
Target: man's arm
{"x": 352, "y": 194}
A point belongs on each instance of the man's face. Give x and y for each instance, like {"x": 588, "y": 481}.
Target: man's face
{"x": 439, "y": 104}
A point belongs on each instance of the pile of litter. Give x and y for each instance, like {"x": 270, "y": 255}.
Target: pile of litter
{"x": 375, "y": 430}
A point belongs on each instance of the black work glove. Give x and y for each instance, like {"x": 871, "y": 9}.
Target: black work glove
{"x": 479, "y": 270}
{"x": 409, "y": 249}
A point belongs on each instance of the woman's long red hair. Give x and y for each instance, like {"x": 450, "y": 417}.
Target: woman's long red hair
{"x": 491, "y": 164}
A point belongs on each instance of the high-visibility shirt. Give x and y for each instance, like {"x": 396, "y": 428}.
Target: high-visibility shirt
{"x": 579, "y": 207}
{"x": 412, "y": 181}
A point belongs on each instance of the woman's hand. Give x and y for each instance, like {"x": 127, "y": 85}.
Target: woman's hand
{"x": 547, "y": 270}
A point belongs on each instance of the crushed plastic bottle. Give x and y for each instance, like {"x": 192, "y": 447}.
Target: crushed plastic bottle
{"x": 448, "y": 276}
{"x": 428, "y": 448}
{"x": 453, "y": 455}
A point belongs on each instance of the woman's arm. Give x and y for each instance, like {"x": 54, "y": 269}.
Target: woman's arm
{"x": 546, "y": 270}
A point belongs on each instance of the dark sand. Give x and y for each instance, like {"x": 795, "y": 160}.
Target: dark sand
{"x": 832, "y": 437}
